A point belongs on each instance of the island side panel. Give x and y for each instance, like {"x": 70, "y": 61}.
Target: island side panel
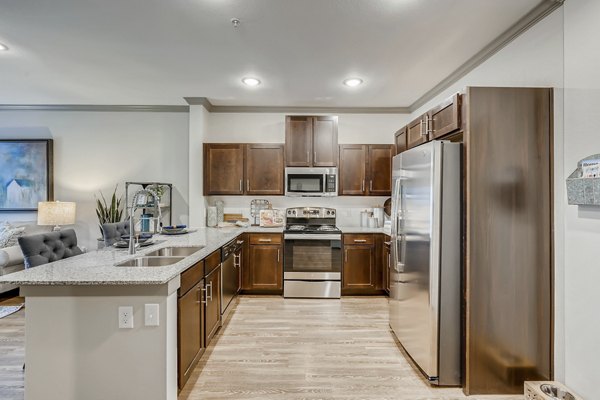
{"x": 75, "y": 349}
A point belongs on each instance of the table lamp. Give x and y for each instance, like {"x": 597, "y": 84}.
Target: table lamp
{"x": 56, "y": 213}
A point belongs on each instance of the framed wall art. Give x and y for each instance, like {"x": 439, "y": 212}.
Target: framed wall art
{"x": 26, "y": 173}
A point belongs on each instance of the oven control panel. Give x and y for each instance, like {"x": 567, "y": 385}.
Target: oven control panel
{"x": 310, "y": 212}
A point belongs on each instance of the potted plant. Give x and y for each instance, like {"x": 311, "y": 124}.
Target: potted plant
{"x": 108, "y": 212}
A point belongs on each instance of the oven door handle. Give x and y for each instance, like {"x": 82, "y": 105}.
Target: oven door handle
{"x": 308, "y": 236}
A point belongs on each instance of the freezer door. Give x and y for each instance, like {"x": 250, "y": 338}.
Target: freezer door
{"x": 413, "y": 308}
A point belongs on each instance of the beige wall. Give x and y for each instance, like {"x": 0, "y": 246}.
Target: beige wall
{"x": 94, "y": 151}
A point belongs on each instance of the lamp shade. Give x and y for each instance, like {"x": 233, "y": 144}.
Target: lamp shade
{"x": 56, "y": 213}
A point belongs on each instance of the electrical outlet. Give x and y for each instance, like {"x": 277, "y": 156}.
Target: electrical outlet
{"x": 126, "y": 317}
{"x": 151, "y": 315}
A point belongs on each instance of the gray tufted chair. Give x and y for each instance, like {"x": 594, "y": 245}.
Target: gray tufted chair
{"x": 112, "y": 232}
{"x": 49, "y": 247}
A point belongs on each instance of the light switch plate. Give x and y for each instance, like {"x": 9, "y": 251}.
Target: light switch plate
{"x": 151, "y": 315}
{"x": 126, "y": 317}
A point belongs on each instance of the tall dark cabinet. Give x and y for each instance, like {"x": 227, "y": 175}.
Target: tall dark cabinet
{"x": 509, "y": 245}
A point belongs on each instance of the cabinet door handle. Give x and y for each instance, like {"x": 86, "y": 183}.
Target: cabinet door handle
{"x": 209, "y": 296}
{"x": 265, "y": 240}
{"x": 389, "y": 260}
{"x": 360, "y": 241}
{"x": 346, "y": 255}
{"x": 248, "y": 184}
{"x": 430, "y": 125}
{"x": 200, "y": 290}
{"x": 308, "y": 156}
{"x": 362, "y": 186}
{"x": 277, "y": 255}
{"x": 371, "y": 185}
{"x": 315, "y": 156}
{"x": 241, "y": 186}
{"x": 423, "y": 133}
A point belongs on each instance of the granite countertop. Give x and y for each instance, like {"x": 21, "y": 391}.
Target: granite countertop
{"x": 98, "y": 267}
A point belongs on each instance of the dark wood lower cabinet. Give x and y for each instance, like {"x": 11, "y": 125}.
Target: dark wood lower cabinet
{"x": 361, "y": 269}
{"x": 266, "y": 268}
{"x": 190, "y": 335}
{"x": 387, "y": 263}
{"x": 190, "y": 321}
{"x": 212, "y": 306}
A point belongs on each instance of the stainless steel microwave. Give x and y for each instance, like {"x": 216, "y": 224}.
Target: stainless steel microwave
{"x": 311, "y": 182}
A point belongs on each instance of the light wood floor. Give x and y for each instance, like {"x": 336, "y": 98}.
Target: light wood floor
{"x": 273, "y": 348}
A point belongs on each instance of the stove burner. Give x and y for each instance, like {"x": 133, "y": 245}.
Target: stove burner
{"x": 296, "y": 228}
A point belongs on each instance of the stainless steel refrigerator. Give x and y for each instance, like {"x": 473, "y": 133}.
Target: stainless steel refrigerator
{"x": 426, "y": 268}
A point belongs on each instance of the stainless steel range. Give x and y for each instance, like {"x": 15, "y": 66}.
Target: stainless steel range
{"x": 312, "y": 266}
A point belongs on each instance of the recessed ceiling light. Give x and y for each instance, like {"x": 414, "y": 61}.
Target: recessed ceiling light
{"x": 3, "y": 47}
{"x": 352, "y": 82}
{"x": 251, "y": 81}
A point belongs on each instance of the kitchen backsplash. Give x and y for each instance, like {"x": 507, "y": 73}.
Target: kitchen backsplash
{"x": 348, "y": 208}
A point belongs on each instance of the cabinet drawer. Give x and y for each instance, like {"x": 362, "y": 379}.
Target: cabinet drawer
{"x": 190, "y": 277}
{"x": 359, "y": 239}
{"x": 265, "y": 238}
{"x": 212, "y": 262}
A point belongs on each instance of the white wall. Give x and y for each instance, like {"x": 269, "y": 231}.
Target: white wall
{"x": 270, "y": 127}
{"x": 198, "y": 121}
{"x": 582, "y": 225}
{"x": 94, "y": 151}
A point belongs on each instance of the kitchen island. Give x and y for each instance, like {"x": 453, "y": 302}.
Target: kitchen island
{"x": 74, "y": 346}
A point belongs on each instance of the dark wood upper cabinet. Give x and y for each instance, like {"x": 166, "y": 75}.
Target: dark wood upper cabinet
{"x": 445, "y": 118}
{"x": 380, "y": 169}
{"x": 353, "y": 170}
{"x": 416, "y": 132}
{"x": 440, "y": 121}
{"x": 365, "y": 169}
{"x": 325, "y": 141}
{"x": 400, "y": 141}
{"x": 311, "y": 141}
{"x": 223, "y": 169}
{"x": 264, "y": 169}
{"x": 298, "y": 141}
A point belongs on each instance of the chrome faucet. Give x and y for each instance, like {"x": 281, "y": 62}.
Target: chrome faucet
{"x": 144, "y": 198}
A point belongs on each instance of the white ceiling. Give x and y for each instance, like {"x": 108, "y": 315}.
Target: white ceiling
{"x": 159, "y": 51}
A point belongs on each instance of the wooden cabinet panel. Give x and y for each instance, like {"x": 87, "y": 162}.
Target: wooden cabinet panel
{"x": 352, "y": 171}
{"x": 264, "y": 169}
{"x": 298, "y": 141}
{"x": 191, "y": 276}
{"x": 190, "y": 331}
{"x": 416, "y": 132}
{"x": 212, "y": 261}
{"x": 325, "y": 141}
{"x": 445, "y": 118}
{"x": 265, "y": 238}
{"x": 387, "y": 263}
{"x": 359, "y": 268}
{"x": 380, "y": 169}
{"x": 212, "y": 307}
{"x": 400, "y": 141}
{"x": 223, "y": 169}
{"x": 266, "y": 268}
{"x": 509, "y": 240}
{"x": 359, "y": 238}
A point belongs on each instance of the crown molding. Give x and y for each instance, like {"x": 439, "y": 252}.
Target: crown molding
{"x": 543, "y": 9}
{"x": 93, "y": 108}
{"x": 203, "y": 101}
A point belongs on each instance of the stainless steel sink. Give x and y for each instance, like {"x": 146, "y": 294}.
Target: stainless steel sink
{"x": 150, "y": 261}
{"x": 175, "y": 251}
